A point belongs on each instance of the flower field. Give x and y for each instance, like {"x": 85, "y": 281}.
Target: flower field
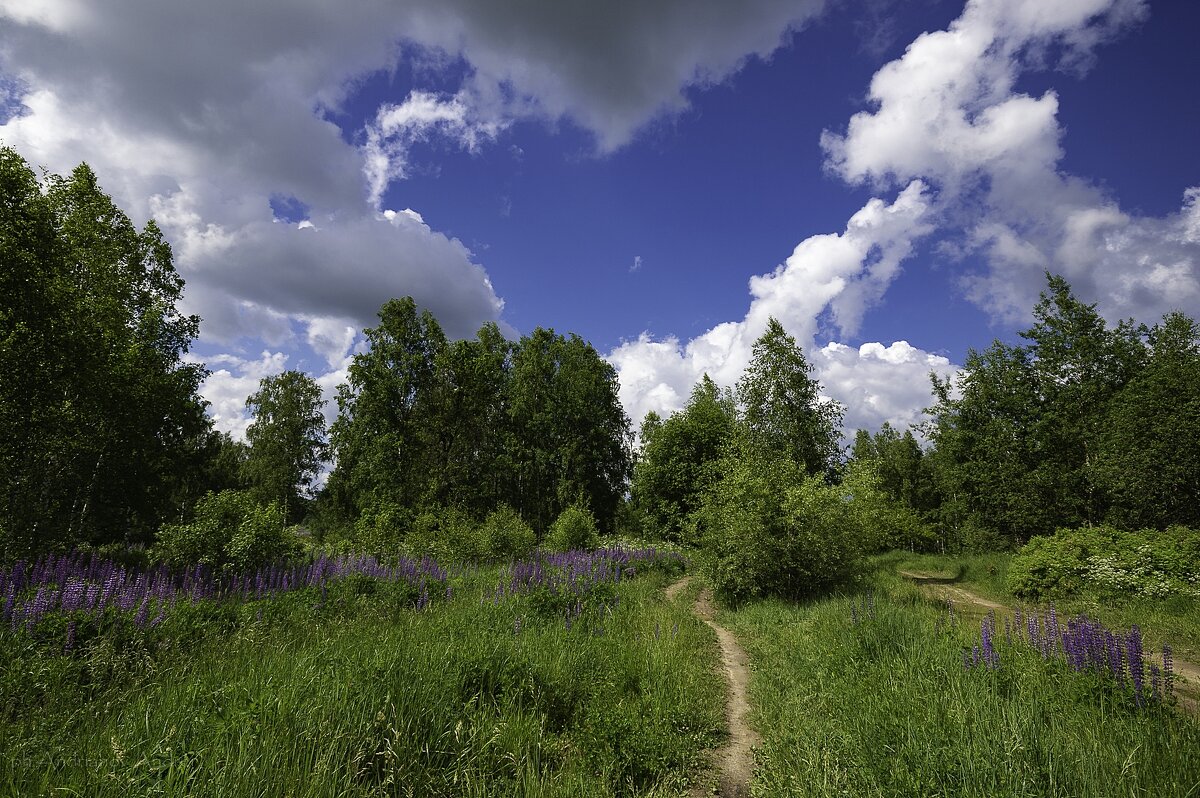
{"x": 559, "y": 675}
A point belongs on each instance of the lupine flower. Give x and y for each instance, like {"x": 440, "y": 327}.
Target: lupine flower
{"x": 1168, "y": 672}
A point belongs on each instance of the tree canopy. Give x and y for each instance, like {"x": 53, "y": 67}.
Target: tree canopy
{"x": 100, "y": 421}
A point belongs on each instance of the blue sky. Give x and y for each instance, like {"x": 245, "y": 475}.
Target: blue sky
{"x": 889, "y": 178}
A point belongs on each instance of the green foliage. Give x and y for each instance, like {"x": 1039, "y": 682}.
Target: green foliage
{"x": 447, "y": 534}
{"x": 231, "y": 532}
{"x": 100, "y": 421}
{"x": 1148, "y": 463}
{"x": 831, "y": 694}
{"x": 476, "y": 424}
{"x": 383, "y": 439}
{"x": 771, "y": 530}
{"x": 505, "y": 535}
{"x": 783, "y": 410}
{"x": 381, "y": 527}
{"x": 573, "y": 530}
{"x": 1110, "y": 563}
{"x": 1085, "y": 424}
{"x": 678, "y": 461}
{"x": 884, "y": 521}
{"x": 287, "y": 439}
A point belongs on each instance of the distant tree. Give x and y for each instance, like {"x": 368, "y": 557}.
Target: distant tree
{"x": 99, "y": 415}
{"x": 1017, "y": 437}
{"x": 1147, "y": 459}
{"x": 287, "y": 440}
{"x": 680, "y": 457}
{"x": 472, "y": 426}
{"x": 384, "y": 439}
{"x": 782, "y": 406}
{"x": 571, "y": 442}
{"x": 427, "y": 425}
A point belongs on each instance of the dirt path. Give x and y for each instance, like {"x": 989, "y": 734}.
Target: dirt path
{"x": 735, "y": 761}
{"x": 1187, "y": 673}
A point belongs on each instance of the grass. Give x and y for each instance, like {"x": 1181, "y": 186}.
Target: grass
{"x": 1173, "y": 621}
{"x": 357, "y": 695}
{"x": 885, "y": 707}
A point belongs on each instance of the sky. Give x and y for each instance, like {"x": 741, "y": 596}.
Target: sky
{"x": 891, "y": 179}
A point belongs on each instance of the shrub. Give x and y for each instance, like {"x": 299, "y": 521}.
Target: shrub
{"x": 883, "y": 522}
{"x": 505, "y": 536}
{"x": 446, "y": 534}
{"x": 381, "y": 528}
{"x": 230, "y": 532}
{"x": 1108, "y": 562}
{"x": 573, "y": 530}
{"x": 770, "y": 530}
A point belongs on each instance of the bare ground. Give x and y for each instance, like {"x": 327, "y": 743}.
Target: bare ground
{"x": 735, "y": 760}
{"x": 1187, "y": 685}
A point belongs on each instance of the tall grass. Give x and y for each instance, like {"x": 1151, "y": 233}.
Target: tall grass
{"x": 349, "y": 693}
{"x": 855, "y": 700}
{"x": 1171, "y": 621}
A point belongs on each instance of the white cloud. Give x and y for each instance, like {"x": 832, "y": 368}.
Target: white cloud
{"x": 842, "y": 273}
{"x": 231, "y": 380}
{"x": 397, "y": 127}
{"x": 947, "y": 112}
{"x": 880, "y": 383}
{"x": 198, "y": 113}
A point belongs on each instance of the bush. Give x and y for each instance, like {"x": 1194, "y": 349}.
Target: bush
{"x": 573, "y": 530}
{"x": 230, "y": 532}
{"x": 769, "y": 530}
{"x": 505, "y": 536}
{"x": 884, "y": 523}
{"x": 381, "y": 528}
{"x": 446, "y": 534}
{"x": 1108, "y": 562}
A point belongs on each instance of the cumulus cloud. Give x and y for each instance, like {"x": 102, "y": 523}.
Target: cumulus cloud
{"x": 842, "y": 273}
{"x": 199, "y": 114}
{"x": 878, "y": 383}
{"x": 948, "y": 112}
{"x": 230, "y": 381}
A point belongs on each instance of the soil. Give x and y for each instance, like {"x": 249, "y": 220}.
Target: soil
{"x": 1187, "y": 674}
{"x": 735, "y": 761}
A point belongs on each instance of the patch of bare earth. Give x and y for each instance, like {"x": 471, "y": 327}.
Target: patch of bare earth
{"x": 735, "y": 761}
{"x": 1187, "y": 681}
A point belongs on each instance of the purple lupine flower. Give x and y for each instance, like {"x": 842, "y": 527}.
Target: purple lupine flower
{"x": 1168, "y": 672}
{"x": 1133, "y": 651}
{"x": 143, "y": 614}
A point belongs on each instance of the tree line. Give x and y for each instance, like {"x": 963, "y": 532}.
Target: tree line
{"x": 104, "y": 437}
{"x": 1085, "y": 424}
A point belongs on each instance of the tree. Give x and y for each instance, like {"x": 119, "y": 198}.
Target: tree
{"x": 472, "y": 426}
{"x": 287, "y": 439}
{"x": 1148, "y": 462}
{"x": 679, "y": 459}
{"x": 570, "y": 437}
{"x": 101, "y": 417}
{"x": 383, "y": 441}
{"x": 1079, "y": 364}
{"x": 782, "y": 406}
{"x": 1016, "y": 446}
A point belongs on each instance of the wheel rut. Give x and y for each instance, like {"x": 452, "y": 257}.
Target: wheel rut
{"x": 1187, "y": 673}
{"x": 735, "y": 760}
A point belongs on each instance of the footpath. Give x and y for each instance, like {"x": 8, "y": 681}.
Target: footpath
{"x": 735, "y": 761}
{"x": 1187, "y": 673}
